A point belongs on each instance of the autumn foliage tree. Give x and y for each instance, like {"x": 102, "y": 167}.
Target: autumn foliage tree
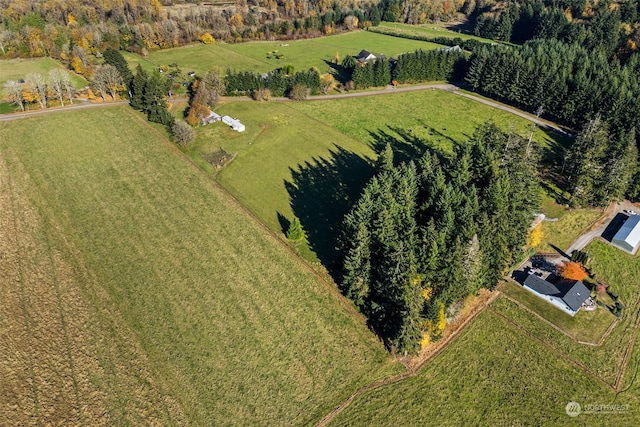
{"x": 572, "y": 271}
{"x": 535, "y": 236}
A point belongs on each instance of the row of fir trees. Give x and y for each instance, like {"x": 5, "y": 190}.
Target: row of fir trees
{"x": 426, "y": 234}
{"x": 279, "y": 81}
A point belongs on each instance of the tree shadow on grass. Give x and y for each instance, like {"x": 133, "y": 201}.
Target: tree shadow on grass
{"x": 340, "y": 73}
{"x": 321, "y": 193}
{"x": 406, "y": 145}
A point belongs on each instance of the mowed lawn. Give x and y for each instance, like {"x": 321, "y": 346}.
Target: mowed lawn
{"x": 16, "y": 69}
{"x": 302, "y": 54}
{"x": 182, "y": 308}
{"x": 493, "y": 374}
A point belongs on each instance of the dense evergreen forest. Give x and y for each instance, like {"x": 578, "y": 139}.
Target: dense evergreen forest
{"x": 428, "y": 233}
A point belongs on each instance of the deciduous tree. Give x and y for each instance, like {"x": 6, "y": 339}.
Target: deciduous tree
{"x": 14, "y": 92}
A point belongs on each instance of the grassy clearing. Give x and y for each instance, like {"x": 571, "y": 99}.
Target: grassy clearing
{"x": 209, "y": 317}
{"x": 587, "y": 326}
{"x": 289, "y": 164}
{"x": 569, "y": 226}
{"x": 15, "y": 69}
{"x": 297, "y": 143}
{"x": 431, "y": 30}
{"x": 411, "y": 120}
{"x": 493, "y": 373}
{"x": 252, "y": 56}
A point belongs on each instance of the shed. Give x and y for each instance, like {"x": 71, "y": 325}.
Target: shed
{"x": 211, "y": 118}
{"x": 628, "y": 237}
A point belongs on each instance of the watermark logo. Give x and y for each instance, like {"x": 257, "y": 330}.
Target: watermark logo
{"x": 573, "y": 409}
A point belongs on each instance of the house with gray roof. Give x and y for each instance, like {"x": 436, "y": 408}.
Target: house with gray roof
{"x": 567, "y": 295}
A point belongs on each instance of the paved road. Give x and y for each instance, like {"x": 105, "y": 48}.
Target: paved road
{"x": 387, "y": 91}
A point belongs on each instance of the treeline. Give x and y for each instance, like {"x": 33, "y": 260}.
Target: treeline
{"x": 602, "y": 26}
{"x": 422, "y": 65}
{"x": 148, "y": 93}
{"x": 280, "y": 81}
{"x": 427, "y": 234}
{"x": 571, "y": 84}
{"x": 74, "y": 31}
{"x": 600, "y": 166}
{"x": 376, "y": 73}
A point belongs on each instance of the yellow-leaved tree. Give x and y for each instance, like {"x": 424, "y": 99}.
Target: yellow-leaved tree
{"x": 535, "y": 236}
{"x": 207, "y": 38}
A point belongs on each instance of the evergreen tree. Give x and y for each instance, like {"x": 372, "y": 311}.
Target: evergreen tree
{"x": 115, "y": 58}
{"x": 138, "y": 84}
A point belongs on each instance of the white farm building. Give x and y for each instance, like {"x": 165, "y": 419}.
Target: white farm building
{"x": 233, "y": 123}
{"x": 628, "y": 237}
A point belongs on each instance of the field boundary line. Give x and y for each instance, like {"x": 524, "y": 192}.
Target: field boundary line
{"x": 559, "y": 329}
{"x": 628, "y": 352}
{"x": 333, "y": 290}
{"x": 412, "y": 371}
{"x": 554, "y": 349}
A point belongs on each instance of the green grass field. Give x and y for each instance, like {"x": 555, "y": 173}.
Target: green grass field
{"x": 411, "y": 120}
{"x": 252, "y": 56}
{"x": 569, "y": 225}
{"x": 136, "y": 292}
{"x": 15, "y": 69}
{"x": 298, "y": 143}
{"x": 493, "y": 374}
{"x": 430, "y": 30}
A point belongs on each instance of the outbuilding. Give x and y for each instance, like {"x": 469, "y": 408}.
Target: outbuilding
{"x": 628, "y": 236}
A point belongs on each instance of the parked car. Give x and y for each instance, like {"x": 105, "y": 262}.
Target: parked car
{"x": 630, "y": 212}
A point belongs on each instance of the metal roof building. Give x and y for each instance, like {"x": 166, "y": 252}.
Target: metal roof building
{"x": 628, "y": 237}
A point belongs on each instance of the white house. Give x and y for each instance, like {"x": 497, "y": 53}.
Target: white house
{"x": 628, "y": 237}
{"x": 365, "y": 56}
{"x": 233, "y": 123}
{"x": 567, "y": 295}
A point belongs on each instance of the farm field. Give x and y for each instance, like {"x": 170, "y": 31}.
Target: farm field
{"x": 495, "y": 373}
{"x": 429, "y": 30}
{"x": 137, "y": 292}
{"x": 15, "y": 69}
{"x": 289, "y": 164}
{"x": 252, "y": 56}
{"x": 298, "y": 140}
{"x": 410, "y": 120}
